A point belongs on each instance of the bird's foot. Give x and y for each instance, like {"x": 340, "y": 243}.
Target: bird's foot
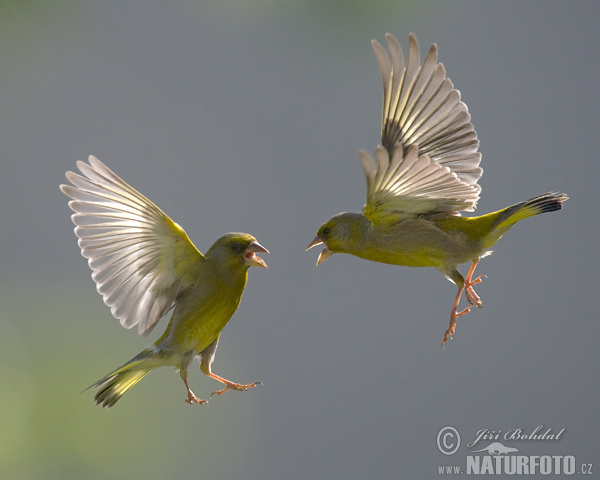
{"x": 191, "y": 398}
{"x": 472, "y": 296}
{"x": 194, "y": 399}
{"x": 234, "y": 386}
{"x": 452, "y": 326}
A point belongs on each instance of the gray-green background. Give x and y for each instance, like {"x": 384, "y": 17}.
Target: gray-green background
{"x": 248, "y": 116}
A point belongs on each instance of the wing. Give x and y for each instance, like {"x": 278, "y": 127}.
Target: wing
{"x": 141, "y": 259}
{"x": 411, "y": 184}
{"x": 422, "y": 109}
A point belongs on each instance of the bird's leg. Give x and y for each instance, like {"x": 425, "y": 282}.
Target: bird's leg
{"x": 465, "y": 285}
{"x": 454, "y": 315}
{"x": 230, "y": 385}
{"x": 472, "y": 296}
{"x": 191, "y": 398}
{"x": 206, "y": 359}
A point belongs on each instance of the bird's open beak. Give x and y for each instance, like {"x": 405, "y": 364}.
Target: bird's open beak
{"x": 325, "y": 253}
{"x": 314, "y": 243}
{"x": 251, "y": 259}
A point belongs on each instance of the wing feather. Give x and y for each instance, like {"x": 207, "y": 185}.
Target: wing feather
{"x": 412, "y": 184}
{"x": 429, "y": 162}
{"x": 136, "y": 252}
{"x": 422, "y": 109}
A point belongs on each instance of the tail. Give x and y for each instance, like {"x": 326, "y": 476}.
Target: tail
{"x": 114, "y": 385}
{"x": 547, "y": 202}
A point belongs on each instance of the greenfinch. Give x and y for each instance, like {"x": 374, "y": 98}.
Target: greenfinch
{"x": 144, "y": 265}
{"x": 424, "y": 174}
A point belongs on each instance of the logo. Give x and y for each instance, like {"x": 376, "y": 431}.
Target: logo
{"x": 448, "y": 440}
{"x": 496, "y": 448}
{"x": 501, "y": 457}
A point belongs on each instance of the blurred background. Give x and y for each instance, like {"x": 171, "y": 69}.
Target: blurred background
{"x": 248, "y": 116}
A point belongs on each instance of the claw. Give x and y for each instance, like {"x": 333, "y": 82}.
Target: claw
{"x": 472, "y": 296}
{"x": 452, "y": 326}
{"x": 191, "y": 398}
{"x": 235, "y": 386}
{"x": 194, "y": 399}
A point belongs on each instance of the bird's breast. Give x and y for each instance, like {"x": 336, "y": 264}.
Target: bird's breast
{"x": 200, "y": 316}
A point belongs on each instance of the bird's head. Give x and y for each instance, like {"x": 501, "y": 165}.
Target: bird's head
{"x": 238, "y": 250}
{"x": 342, "y": 233}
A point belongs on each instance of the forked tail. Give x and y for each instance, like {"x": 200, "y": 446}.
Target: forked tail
{"x": 547, "y": 202}
{"x": 114, "y": 385}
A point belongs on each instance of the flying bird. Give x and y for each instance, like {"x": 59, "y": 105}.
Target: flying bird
{"x": 144, "y": 265}
{"x": 424, "y": 174}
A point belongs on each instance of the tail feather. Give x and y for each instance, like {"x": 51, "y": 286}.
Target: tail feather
{"x": 114, "y": 385}
{"x": 547, "y": 202}
{"x": 112, "y": 388}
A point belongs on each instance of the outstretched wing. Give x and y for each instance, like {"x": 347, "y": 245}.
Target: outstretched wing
{"x": 411, "y": 184}
{"x": 422, "y": 110}
{"x": 141, "y": 260}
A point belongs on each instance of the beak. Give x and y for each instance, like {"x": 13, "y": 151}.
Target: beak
{"x": 314, "y": 243}
{"x": 251, "y": 259}
{"x": 325, "y": 254}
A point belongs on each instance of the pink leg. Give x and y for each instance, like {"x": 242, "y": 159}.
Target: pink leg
{"x": 191, "y": 397}
{"x": 472, "y": 297}
{"x": 454, "y": 315}
{"x": 230, "y": 385}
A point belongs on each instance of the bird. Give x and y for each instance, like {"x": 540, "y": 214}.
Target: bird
{"x": 144, "y": 265}
{"x": 425, "y": 173}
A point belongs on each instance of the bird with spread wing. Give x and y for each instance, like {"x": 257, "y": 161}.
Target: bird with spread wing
{"x": 424, "y": 174}
{"x": 144, "y": 265}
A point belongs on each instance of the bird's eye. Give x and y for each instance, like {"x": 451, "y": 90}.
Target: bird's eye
{"x": 235, "y": 247}
{"x": 325, "y": 232}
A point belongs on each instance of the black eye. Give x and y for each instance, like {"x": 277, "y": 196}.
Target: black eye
{"x": 325, "y": 233}
{"x": 236, "y": 247}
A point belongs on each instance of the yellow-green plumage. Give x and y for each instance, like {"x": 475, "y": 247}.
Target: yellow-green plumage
{"x": 145, "y": 265}
{"x": 112, "y": 387}
{"x": 197, "y": 320}
{"x": 428, "y": 240}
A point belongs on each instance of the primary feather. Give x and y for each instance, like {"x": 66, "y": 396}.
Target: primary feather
{"x": 432, "y": 162}
{"x": 136, "y": 252}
